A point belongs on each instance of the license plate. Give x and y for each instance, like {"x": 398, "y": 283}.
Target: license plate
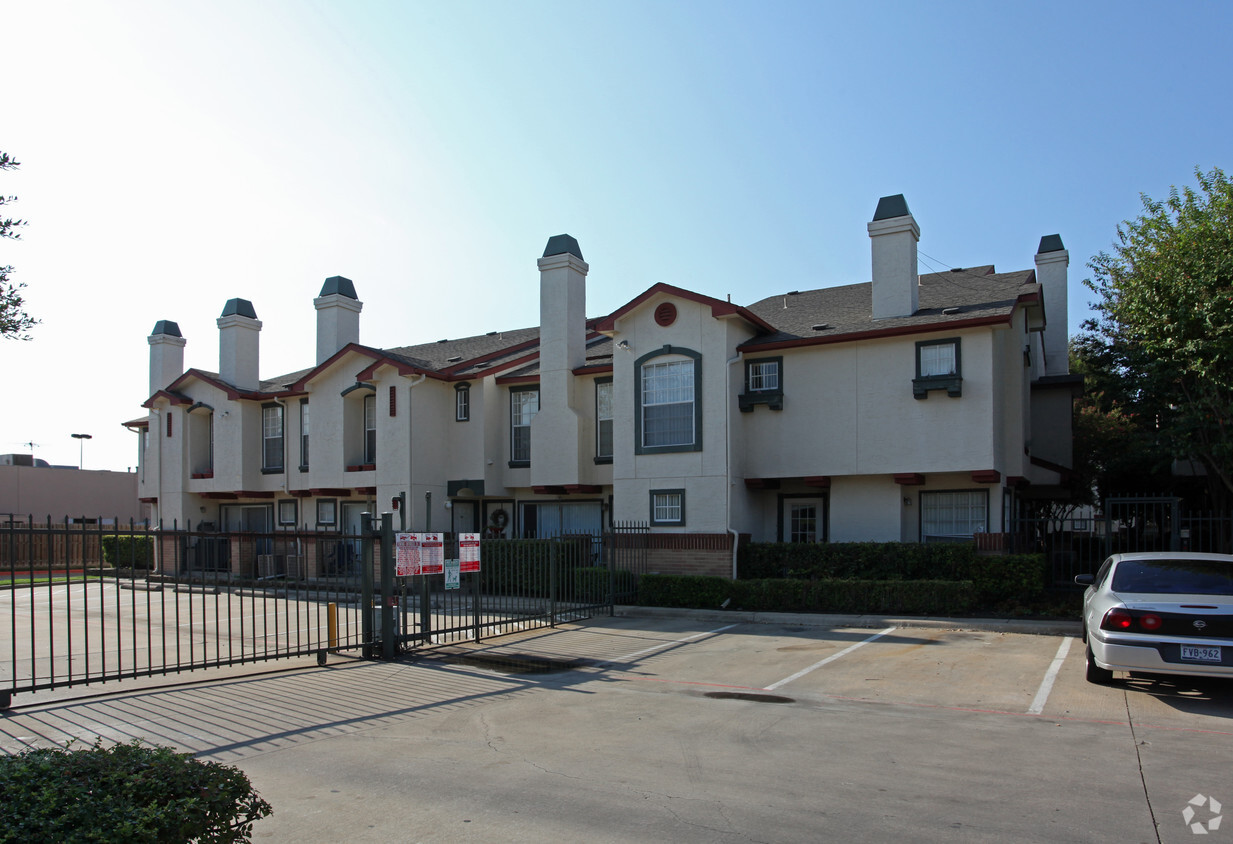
{"x": 1196, "y": 653}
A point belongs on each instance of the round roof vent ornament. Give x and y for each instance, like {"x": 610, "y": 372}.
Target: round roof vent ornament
{"x": 665, "y": 314}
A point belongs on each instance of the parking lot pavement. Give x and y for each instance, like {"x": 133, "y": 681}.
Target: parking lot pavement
{"x": 698, "y": 729}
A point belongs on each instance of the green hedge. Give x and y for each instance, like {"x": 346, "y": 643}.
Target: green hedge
{"x": 868, "y": 560}
{"x": 911, "y": 597}
{"x": 128, "y": 552}
{"x": 995, "y": 578}
{"x": 125, "y": 794}
{"x": 590, "y": 584}
{"x": 520, "y": 567}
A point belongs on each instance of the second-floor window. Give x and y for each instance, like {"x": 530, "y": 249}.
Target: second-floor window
{"x": 603, "y": 420}
{"x": 763, "y": 384}
{"x": 938, "y": 367}
{"x": 462, "y": 402}
{"x": 272, "y": 438}
{"x": 304, "y": 433}
{"x": 370, "y": 429}
{"x": 668, "y": 417}
{"x": 523, "y": 405}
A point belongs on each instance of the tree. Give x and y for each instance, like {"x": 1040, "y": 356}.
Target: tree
{"x": 14, "y": 321}
{"x": 1163, "y": 330}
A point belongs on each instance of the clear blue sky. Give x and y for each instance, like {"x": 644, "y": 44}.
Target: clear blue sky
{"x": 175, "y": 155}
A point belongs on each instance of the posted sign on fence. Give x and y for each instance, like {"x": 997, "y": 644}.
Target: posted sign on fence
{"x": 418, "y": 553}
{"x": 469, "y": 552}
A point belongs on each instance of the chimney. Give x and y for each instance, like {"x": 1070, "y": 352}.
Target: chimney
{"x": 166, "y": 354}
{"x": 1052, "y": 259}
{"x": 562, "y": 348}
{"x": 893, "y": 235}
{"x": 239, "y": 333}
{"x": 338, "y": 317}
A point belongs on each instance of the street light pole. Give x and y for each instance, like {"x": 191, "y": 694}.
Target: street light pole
{"x": 81, "y": 446}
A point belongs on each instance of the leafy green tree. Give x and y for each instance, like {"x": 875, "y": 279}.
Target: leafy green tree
{"x": 14, "y": 321}
{"x": 1163, "y": 330}
{"x": 1117, "y": 451}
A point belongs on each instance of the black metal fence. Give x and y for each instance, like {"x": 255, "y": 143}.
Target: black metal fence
{"x": 79, "y": 607}
{"x": 1078, "y": 545}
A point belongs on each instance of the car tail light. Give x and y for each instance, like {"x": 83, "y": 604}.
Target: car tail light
{"x": 1119, "y": 618}
{"x": 1150, "y": 622}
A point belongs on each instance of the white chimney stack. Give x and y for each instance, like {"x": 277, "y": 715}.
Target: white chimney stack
{"x": 1052, "y": 259}
{"x": 338, "y": 317}
{"x": 239, "y": 333}
{"x": 556, "y": 429}
{"x": 893, "y": 236}
{"x": 166, "y": 355}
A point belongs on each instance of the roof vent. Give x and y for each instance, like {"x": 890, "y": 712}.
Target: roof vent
{"x": 794, "y": 293}
{"x": 454, "y": 359}
{"x": 483, "y": 365}
{"x": 443, "y": 341}
{"x": 821, "y": 326}
{"x": 950, "y": 311}
{"x": 491, "y": 334}
{"x": 957, "y": 270}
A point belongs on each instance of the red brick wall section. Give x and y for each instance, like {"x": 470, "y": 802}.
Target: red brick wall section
{"x": 690, "y": 553}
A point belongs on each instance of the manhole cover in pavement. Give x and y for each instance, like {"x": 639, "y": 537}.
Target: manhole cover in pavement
{"x": 515, "y": 663}
{"x": 750, "y": 696}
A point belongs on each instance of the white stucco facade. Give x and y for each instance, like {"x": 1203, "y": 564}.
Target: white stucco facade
{"x": 907, "y": 408}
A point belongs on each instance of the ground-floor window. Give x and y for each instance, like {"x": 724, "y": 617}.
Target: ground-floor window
{"x": 957, "y": 514}
{"x": 554, "y": 518}
{"x": 802, "y": 518}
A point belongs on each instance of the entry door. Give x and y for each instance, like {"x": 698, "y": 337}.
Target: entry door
{"x": 804, "y": 520}
{"x": 351, "y": 526}
{"x": 465, "y": 516}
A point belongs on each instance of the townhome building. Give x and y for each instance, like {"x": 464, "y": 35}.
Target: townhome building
{"x": 907, "y": 408}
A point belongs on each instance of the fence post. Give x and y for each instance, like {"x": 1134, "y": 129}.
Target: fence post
{"x": 388, "y": 600}
{"x": 552, "y": 581}
{"x": 366, "y": 581}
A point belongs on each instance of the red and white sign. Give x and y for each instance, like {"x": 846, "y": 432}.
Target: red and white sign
{"x": 432, "y": 553}
{"x": 406, "y": 554}
{"x": 469, "y": 552}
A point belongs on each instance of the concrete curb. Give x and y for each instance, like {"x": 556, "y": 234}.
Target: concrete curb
{"x": 1052, "y": 627}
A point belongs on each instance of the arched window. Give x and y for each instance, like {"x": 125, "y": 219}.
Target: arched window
{"x": 669, "y": 413}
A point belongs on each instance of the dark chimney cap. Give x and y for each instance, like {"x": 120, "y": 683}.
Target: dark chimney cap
{"x": 239, "y": 307}
{"x": 563, "y": 244}
{"x": 1050, "y": 243}
{"x": 341, "y": 286}
{"x": 166, "y": 326}
{"x": 891, "y": 206}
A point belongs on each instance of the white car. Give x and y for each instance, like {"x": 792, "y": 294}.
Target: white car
{"x": 1159, "y": 613}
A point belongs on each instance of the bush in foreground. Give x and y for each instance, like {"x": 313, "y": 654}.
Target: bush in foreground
{"x": 127, "y": 793}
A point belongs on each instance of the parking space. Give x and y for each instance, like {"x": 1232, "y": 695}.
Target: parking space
{"x": 689, "y": 729}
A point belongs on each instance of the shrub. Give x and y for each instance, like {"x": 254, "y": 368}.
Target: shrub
{"x": 865, "y": 560}
{"x": 591, "y": 584}
{"x": 911, "y": 597}
{"x": 126, "y": 793}
{"x": 128, "y": 552}
{"x": 1014, "y": 577}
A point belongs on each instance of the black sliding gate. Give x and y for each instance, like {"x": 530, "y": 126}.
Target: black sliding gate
{"x": 83, "y": 604}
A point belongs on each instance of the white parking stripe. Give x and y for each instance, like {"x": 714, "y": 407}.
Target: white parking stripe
{"x": 1046, "y": 685}
{"x": 830, "y": 658}
{"x": 662, "y": 645}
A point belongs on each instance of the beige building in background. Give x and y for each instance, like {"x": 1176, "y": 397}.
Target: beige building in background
{"x": 37, "y": 492}
{"x": 911, "y": 408}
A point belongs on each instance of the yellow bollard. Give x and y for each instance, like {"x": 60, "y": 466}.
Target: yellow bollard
{"x": 331, "y": 624}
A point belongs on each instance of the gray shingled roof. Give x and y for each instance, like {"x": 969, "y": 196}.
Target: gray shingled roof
{"x": 977, "y": 292}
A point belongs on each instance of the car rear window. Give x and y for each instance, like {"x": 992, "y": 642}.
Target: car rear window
{"x": 1194, "y": 577}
